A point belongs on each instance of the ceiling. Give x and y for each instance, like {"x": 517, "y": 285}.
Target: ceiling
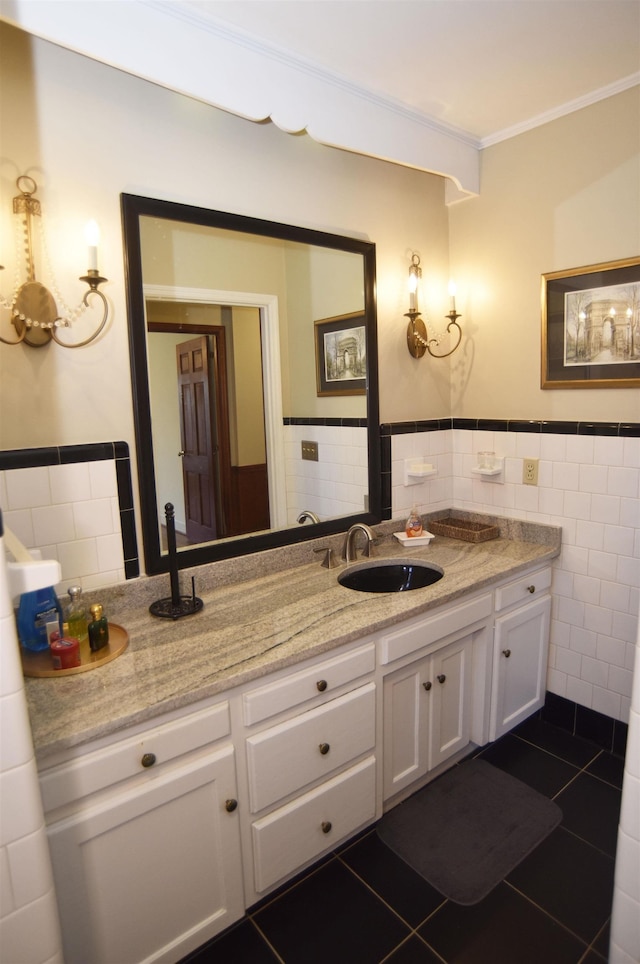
{"x": 489, "y": 68}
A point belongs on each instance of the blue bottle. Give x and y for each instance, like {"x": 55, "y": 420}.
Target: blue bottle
{"x": 36, "y": 609}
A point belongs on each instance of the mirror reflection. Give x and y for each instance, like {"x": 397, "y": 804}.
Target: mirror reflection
{"x": 253, "y": 354}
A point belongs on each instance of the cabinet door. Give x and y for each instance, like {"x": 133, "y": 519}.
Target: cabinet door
{"x": 450, "y": 696}
{"x": 521, "y": 646}
{"x": 406, "y": 750}
{"x": 150, "y": 874}
{"x": 427, "y": 714}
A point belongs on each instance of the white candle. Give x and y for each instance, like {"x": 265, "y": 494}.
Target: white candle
{"x": 92, "y": 237}
{"x": 452, "y": 296}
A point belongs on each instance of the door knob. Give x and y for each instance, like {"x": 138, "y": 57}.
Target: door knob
{"x": 428, "y": 685}
{"x": 230, "y": 805}
{"x": 506, "y": 653}
{"x": 324, "y": 748}
{"x": 441, "y": 677}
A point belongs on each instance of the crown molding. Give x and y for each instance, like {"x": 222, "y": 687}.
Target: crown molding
{"x": 633, "y": 80}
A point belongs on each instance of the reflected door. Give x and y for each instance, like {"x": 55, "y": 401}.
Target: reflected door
{"x": 198, "y": 464}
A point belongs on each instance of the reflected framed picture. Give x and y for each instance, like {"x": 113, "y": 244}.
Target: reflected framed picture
{"x": 341, "y": 355}
{"x": 591, "y": 326}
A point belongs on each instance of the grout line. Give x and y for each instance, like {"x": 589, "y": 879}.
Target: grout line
{"x": 266, "y": 940}
{"x": 556, "y": 920}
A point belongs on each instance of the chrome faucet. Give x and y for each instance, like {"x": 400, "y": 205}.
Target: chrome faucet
{"x": 307, "y": 514}
{"x": 349, "y": 551}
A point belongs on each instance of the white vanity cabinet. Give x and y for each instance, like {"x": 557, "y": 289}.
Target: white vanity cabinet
{"x": 434, "y": 705}
{"x": 521, "y": 648}
{"x": 145, "y": 843}
{"x": 311, "y": 776}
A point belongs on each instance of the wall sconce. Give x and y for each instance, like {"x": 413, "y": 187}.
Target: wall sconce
{"x": 417, "y": 340}
{"x": 34, "y": 312}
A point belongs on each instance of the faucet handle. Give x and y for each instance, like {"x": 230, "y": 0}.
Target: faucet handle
{"x": 329, "y": 561}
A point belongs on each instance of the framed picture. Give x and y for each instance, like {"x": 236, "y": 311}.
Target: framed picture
{"x": 591, "y": 326}
{"x": 341, "y": 355}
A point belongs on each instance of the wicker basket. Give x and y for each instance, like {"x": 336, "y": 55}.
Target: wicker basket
{"x": 464, "y": 529}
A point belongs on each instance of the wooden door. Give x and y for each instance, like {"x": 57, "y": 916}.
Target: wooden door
{"x": 198, "y": 467}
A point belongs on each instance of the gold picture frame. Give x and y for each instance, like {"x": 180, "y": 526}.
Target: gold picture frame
{"x": 591, "y": 326}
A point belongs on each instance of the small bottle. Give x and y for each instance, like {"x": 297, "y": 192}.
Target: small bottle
{"x": 36, "y": 612}
{"x": 98, "y": 629}
{"x": 65, "y": 651}
{"x": 413, "y": 527}
{"x": 76, "y": 615}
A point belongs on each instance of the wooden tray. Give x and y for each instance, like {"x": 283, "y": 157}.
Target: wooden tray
{"x": 39, "y": 664}
{"x": 464, "y": 529}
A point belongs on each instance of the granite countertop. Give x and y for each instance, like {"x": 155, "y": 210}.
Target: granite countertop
{"x": 260, "y": 614}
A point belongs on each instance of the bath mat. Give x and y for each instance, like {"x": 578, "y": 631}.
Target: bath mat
{"x": 468, "y": 829}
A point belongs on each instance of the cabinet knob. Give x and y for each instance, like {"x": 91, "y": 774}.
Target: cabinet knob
{"x": 531, "y": 589}
{"x": 324, "y": 748}
{"x": 321, "y": 685}
{"x": 506, "y": 653}
{"x": 441, "y": 677}
{"x": 230, "y": 805}
{"x": 326, "y": 826}
{"x": 428, "y": 685}
{"x": 148, "y": 759}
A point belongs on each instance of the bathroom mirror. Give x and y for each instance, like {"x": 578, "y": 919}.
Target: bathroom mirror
{"x": 255, "y": 384}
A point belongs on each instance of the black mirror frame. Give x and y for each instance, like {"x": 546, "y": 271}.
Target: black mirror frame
{"x": 135, "y": 206}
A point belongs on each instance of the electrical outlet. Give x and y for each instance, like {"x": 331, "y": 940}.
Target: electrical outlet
{"x": 530, "y": 471}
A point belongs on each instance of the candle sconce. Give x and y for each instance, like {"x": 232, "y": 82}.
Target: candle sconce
{"x": 418, "y": 340}
{"x": 34, "y": 313}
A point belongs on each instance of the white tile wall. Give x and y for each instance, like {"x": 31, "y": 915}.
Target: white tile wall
{"x": 625, "y": 923}
{"x": 29, "y": 926}
{"x": 71, "y": 513}
{"x": 588, "y": 485}
{"x": 334, "y": 485}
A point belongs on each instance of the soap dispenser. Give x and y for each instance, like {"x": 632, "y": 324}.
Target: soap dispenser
{"x": 37, "y": 612}
{"x": 413, "y": 526}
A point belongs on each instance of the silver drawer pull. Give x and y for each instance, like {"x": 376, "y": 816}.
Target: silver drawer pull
{"x": 324, "y": 748}
{"x": 326, "y": 826}
{"x": 531, "y": 589}
{"x": 321, "y": 685}
{"x": 148, "y": 759}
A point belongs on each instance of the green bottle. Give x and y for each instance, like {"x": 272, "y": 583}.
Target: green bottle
{"x": 98, "y": 629}
{"x": 76, "y": 615}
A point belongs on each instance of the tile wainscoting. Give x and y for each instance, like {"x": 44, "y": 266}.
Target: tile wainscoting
{"x": 75, "y": 504}
{"x": 337, "y": 483}
{"x": 589, "y": 483}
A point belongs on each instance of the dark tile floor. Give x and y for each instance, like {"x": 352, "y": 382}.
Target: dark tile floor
{"x": 363, "y": 905}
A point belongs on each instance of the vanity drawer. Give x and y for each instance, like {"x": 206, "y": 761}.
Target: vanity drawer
{"x": 295, "y": 834}
{"x": 286, "y": 757}
{"x": 102, "y": 768}
{"x": 524, "y": 589}
{"x": 297, "y": 688}
{"x": 432, "y": 629}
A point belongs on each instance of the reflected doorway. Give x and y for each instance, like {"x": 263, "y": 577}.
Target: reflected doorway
{"x": 210, "y": 453}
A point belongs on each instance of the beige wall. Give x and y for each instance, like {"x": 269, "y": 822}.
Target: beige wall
{"x": 87, "y": 133}
{"x": 561, "y": 196}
